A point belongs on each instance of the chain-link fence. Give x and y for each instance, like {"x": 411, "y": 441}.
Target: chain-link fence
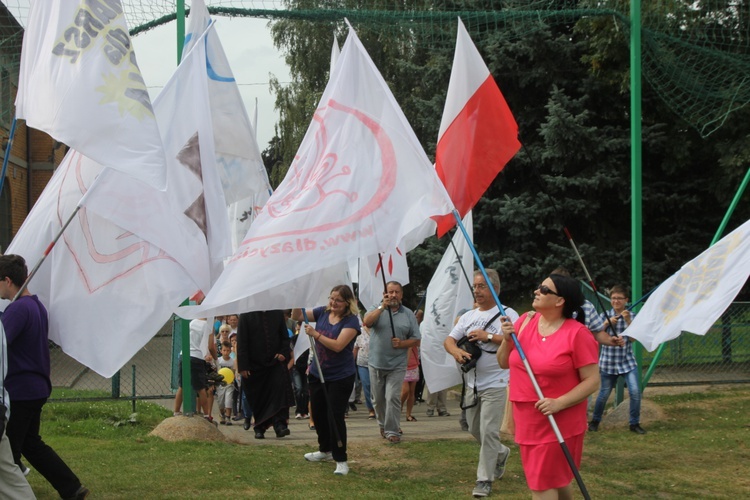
{"x": 722, "y": 356}
{"x": 150, "y": 374}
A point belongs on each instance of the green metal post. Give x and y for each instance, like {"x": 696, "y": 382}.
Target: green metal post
{"x": 116, "y": 385}
{"x": 188, "y": 398}
{"x": 133, "y": 381}
{"x": 636, "y": 161}
{"x": 180, "y": 28}
{"x": 717, "y": 237}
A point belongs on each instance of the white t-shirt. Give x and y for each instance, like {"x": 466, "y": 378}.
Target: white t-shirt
{"x": 199, "y": 332}
{"x": 488, "y": 372}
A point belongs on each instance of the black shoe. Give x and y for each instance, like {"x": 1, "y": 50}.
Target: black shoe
{"x": 637, "y": 429}
{"x": 282, "y": 431}
{"x": 259, "y": 434}
{"x": 352, "y": 406}
{"x": 594, "y": 426}
{"x": 247, "y": 424}
{"x": 80, "y": 494}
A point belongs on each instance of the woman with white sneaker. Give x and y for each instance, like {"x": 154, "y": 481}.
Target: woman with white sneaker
{"x": 336, "y": 328}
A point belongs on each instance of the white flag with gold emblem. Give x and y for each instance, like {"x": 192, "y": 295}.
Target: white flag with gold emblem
{"x": 189, "y": 220}
{"x": 80, "y": 83}
{"x": 693, "y": 298}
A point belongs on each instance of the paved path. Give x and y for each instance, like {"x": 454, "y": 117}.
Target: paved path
{"x": 358, "y": 427}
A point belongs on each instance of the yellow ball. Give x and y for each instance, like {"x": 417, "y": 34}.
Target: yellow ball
{"x": 228, "y": 375}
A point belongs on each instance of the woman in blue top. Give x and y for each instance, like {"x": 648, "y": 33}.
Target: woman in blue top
{"x": 336, "y": 328}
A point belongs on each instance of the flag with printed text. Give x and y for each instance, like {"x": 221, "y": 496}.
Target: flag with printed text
{"x": 448, "y": 293}
{"x": 80, "y": 83}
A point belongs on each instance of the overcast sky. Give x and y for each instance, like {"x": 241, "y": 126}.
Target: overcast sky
{"x": 251, "y": 54}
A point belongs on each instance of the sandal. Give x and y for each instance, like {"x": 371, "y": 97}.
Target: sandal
{"x": 410, "y": 419}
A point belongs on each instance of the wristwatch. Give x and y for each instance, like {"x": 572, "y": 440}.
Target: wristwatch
{"x": 489, "y": 337}
{"x": 380, "y": 307}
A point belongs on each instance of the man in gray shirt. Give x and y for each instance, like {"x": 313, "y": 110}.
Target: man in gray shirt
{"x": 393, "y": 331}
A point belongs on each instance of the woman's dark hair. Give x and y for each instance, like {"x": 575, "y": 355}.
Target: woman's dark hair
{"x": 570, "y": 290}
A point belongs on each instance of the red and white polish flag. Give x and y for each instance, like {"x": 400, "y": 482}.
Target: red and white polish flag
{"x": 478, "y": 134}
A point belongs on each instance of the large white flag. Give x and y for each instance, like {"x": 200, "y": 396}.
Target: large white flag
{"x": 693, "y": 298}
{"x": 238, "y": 159}
{"x": 448, "y": 293}
{"x": 360, "y": 184}
{"x": 188, "y": 220}
{"x": 107, "y": 291}
{"x": 80, "y": 83}
{"x": 394, "y": 268}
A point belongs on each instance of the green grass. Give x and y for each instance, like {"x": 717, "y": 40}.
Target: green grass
{"x": 698, "y": 450}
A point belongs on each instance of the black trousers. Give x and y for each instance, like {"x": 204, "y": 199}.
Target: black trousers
{"x": 23, "y": 434}
{"x": 329, "y": 413}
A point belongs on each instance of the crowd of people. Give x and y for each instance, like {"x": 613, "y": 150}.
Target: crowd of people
{"x": 246, "y": 363}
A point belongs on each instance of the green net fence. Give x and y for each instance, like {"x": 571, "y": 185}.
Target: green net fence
{"x": 696, "y": 53}
{"x": 722, "y": 356}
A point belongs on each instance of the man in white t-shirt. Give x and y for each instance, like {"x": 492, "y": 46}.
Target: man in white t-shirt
{"x": 486, "y": 383}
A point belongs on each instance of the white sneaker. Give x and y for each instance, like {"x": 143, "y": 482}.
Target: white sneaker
{"x": 319, "y": 456}
{"x": 342, "y": 469}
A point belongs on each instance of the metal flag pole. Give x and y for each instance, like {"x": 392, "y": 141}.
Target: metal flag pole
{"x": 527, "y": 366}
{"x": 314, "y": 354}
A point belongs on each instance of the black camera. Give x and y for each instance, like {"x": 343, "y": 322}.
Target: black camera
{"x": 468, "y": 365}
{"x": 473, "y": 349}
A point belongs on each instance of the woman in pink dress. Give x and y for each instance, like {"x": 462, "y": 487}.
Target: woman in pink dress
{"x": 563, "y": 355}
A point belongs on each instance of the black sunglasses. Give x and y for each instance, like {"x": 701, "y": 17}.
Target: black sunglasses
{"x": 544, "y": 290}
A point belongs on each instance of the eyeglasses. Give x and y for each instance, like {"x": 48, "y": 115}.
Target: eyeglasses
{"x": 545, "y": 290}
{"x": 617, "y": 298}
{"x": 479, "y": 286}
{"x": 338, "y": 301}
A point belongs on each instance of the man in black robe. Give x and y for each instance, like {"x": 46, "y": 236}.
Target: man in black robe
{"x": 263, "y": 352}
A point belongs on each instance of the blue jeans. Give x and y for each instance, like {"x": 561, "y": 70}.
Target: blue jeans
{"x": 364, "y": 376}
{"x": 608, "y": 383}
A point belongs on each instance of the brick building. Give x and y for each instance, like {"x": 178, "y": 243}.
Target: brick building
{"x": 34, "y": 155}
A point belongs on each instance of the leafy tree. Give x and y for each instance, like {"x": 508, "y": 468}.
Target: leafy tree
{"x": 568, "y": 86}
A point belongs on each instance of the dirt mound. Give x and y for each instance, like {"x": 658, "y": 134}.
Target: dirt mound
{"x": 620, "y": 416}
{"x": 187, "y": 428}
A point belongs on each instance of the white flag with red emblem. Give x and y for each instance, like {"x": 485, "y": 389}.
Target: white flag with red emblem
{"x": 80, "y": 83}
{"x": 391, "y": 264}
{"x": 360, "y": 184}
{"x": 478, "y": 134}
{"x": 107, "y": 291}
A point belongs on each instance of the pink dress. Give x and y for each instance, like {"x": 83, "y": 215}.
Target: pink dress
{"x": 555, "y": 361}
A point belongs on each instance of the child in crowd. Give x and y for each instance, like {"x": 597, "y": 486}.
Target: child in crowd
{"x": 224, "y": 393}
